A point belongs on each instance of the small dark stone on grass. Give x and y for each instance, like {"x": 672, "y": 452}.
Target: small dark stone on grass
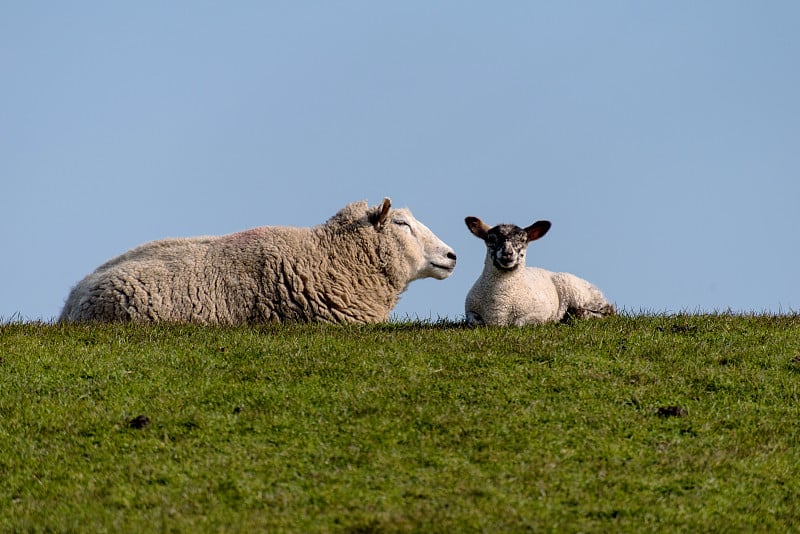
{"x": 672, "y": 411}
{"x": 140, "y": 421}
{"x": 238, "y": 409}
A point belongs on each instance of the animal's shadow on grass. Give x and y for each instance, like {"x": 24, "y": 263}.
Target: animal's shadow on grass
{"x": 441, "y": 323}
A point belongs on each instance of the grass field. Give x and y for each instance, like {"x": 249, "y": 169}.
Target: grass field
{"x": 684, "y": 423}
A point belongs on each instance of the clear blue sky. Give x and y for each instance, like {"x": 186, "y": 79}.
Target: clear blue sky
{"x": 661, "y": 139}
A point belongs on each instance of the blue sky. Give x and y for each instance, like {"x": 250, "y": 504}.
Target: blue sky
{"x": 661, "y": 139}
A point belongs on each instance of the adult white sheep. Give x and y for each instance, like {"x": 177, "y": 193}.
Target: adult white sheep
{"x": 509, "y": 293}
{"x": 351, "y": 269}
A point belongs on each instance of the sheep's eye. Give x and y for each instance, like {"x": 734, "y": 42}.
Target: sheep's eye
{"x": 491, "y": 239}
{"x": 405, "y": 225}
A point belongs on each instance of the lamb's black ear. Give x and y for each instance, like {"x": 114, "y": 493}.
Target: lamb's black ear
{"x": 378, "y": 217}
{"x": 477, "y": 227}
{"x": 537, "y": 230}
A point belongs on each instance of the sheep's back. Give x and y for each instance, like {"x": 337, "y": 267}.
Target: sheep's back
{"x": 307, "y": 274}
{"x": 166, "y": 280}
{"x": 259, "y": 275}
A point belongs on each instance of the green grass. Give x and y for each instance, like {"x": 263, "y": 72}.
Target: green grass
{"x": 629, "y": 424}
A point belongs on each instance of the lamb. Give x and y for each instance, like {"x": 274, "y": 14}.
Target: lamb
{"x": 509, "y": 293}
{"x": 351, "y": 269}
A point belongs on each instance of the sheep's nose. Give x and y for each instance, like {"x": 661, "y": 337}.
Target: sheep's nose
{"x": 451, "y": 255}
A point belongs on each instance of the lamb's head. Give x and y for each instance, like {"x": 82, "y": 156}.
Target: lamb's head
{"x": 506, "y": 243}
{"x": 424, "y": 254}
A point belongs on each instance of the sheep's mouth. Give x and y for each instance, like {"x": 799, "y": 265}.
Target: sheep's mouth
{"x": 443, "y": 267}
{"x": 440, "y": 271}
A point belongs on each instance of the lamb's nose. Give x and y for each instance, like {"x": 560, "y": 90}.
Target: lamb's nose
{"x": 451, "y": 255}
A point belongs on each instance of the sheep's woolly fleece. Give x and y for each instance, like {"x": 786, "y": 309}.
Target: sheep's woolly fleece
{"x": 351, "y": 269}
{"x": 509, "y": 293}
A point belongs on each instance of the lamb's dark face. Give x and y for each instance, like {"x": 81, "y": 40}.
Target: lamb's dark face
{"x": 506, "y": 244}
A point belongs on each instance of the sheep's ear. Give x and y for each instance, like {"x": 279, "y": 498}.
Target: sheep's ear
{"x": 378, "y": 218}
{"x": 537, "y": 230}
{"x": 477, "y": 227}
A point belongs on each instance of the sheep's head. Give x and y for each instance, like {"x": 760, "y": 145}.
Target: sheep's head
{"x": 425, "y": 255}
{"x": 506, "y": 243}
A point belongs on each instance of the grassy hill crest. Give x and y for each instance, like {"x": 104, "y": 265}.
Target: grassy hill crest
{"x": 632, "y": 423}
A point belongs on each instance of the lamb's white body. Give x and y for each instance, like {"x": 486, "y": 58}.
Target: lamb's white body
{"x": 509, "y": 293}
{"x": 531, "y": 296}
{"x": 350, "y": 269}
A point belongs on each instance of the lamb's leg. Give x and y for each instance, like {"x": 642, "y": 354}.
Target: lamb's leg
{"x": 586, "y": 313}
{"x": 580, "y": 299}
